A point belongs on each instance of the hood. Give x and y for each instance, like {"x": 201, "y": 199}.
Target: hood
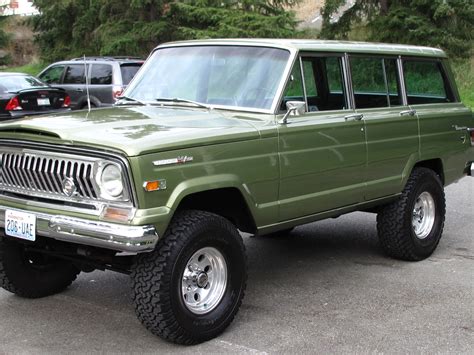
{"x": 137, "y": 130}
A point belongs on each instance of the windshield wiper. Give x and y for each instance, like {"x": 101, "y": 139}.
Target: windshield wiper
{"x": 179, "y": 100}
{"x": 131, "y": 100}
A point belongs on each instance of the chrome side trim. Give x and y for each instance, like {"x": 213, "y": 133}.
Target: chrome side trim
{"x": 119, "y": 237}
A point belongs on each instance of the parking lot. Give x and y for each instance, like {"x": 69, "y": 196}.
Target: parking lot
{"x": 324, "y": 288}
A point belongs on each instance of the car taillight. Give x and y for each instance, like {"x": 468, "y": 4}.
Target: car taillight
{"x": 67, "y": 101}
{"x": 13, "y": 105}
{"x": 471, "y": 134}
{"x": 117, "y": 92}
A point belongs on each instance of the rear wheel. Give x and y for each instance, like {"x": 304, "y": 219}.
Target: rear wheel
{"x": 189, "y": 289}
{"x": 85, "y": 106}
{"x": 411, "y": 227}
{"x": 32, "y": 275}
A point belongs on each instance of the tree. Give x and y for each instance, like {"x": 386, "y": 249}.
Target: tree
{"x": 439, "y": 23}
{"x": 133, "y": 27}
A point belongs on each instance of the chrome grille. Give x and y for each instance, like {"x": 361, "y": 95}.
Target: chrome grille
{"x": 42, "y": 175}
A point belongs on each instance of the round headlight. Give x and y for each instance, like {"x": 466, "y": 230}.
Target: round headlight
{"x": 111, "y": 181}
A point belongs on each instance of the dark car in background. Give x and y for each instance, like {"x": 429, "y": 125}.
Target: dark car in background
{"x": 24, "y": 95}
{"x": 107, "y": 78}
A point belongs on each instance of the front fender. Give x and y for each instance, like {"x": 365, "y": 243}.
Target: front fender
{"x": 209, "y": 183}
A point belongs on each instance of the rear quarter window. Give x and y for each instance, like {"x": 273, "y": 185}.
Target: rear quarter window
{"x": 425, "y": 82}
{"x": 128, "y": 72}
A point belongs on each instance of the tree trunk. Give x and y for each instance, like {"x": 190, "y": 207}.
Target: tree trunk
{"x": 384, "y": 5}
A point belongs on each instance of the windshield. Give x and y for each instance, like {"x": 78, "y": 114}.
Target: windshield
{"x": 14, "y": 83}
{"x": 236, "y": 76}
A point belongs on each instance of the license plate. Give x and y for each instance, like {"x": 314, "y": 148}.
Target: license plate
{"x": 20, "y": 225}
{"x": 43, "y": 102}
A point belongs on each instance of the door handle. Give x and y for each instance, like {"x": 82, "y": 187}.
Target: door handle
{"x": 408, "y": 113}
{"x": 80, "y": 90}
{"x": 354, "y": 117}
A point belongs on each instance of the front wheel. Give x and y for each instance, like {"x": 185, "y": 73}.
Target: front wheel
{"x": 189, "y": 289}
{"x": 411, "y": 227}
{"x": 31, "y": 274}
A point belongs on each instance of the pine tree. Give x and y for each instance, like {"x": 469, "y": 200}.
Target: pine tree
{"x": 440, "y": 23}
{"x": 133, "y": 27}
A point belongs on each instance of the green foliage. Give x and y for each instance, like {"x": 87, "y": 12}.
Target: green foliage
{"x": 464, "y": 74}
{"x": 4, "y": 42}
{"x": 69, "y": 28}
{"x": 438, "y": 23}
{"x": 4, "y": 37}
{"x": 32, "y": 69}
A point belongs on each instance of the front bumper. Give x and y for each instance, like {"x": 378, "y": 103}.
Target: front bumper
{"x": 113, "y": 236}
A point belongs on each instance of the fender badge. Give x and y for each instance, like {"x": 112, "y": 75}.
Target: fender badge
{"x": 177, "y": 160}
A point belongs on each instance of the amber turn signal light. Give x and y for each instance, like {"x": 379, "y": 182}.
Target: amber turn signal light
{"x": 154, "y": 185}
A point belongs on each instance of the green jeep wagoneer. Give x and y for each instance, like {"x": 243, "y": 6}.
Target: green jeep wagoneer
{"x": 220, "y": 136}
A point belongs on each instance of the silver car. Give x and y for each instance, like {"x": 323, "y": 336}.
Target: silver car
{"x": 107, "y": 78}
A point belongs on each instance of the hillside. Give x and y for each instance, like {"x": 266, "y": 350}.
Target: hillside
{"x": 307, "y": 11}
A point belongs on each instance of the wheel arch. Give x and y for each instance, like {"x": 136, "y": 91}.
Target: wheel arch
{"x": 228, "y": 202}
{"x": 433, "y": 164}
{"x": 82, "y": 102}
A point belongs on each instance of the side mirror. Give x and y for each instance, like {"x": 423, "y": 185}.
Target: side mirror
{"x": 295, "y": 108}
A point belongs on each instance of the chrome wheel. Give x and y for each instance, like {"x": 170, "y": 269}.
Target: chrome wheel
{"x": 424, "y": 213}
{"x": 204, "y": 280}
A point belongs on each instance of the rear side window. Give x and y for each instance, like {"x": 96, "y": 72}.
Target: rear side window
{"x": 375, "y": 82}
{"x": 425, "y": 82}
{"x": 53, "y": 75}
{"x": 75, "y": 74}
{"x": 101, "y": 74}
{"x": 128, "y": 72}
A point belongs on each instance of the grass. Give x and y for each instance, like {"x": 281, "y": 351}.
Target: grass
{"x": 464, "y": 73}
{"x": 32, "y": 69}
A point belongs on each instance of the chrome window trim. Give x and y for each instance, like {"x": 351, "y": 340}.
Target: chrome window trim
{"x": 401, "y": 76}
{"x": 83, "y": 154}
{"x": 347, "y": 79}
{"x": 300, "y": 60}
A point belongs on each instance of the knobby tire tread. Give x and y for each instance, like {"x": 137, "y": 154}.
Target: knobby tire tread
{"x": 392, "y": 222}
{"x": 152, "y": 306}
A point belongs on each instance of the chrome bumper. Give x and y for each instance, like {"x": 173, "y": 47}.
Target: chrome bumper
{"x": 94, "y": 233}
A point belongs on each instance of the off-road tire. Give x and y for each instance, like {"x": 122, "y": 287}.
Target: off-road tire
{"x": 32, "y": 275}
{"x": 85, "y": 106}
{"x": 394, "y": 221}
{"x": 157, "y": 276}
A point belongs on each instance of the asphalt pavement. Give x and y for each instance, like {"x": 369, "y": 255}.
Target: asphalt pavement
{"x": 324, "y": 288}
